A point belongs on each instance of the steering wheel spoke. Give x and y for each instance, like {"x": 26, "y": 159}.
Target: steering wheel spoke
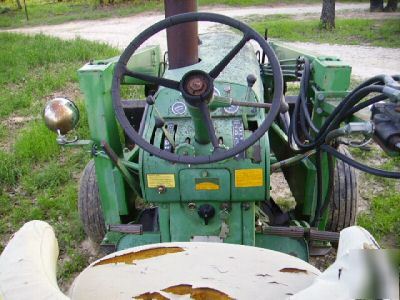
{"x": 227, "y": 59}
{"x": 168, "y": 83}
{"x": 205, "y": 112}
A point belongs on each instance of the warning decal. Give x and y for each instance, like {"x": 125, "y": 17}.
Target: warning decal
{"x": 249, "y": 178}
{"x": 156, "y": 180}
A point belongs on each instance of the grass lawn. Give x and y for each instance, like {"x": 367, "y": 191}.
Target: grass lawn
{"x": 38, "y": 179}
{"x": 383, "y": 196}
{"x": 54, "y": 12}
{"x": 381, "y": 32}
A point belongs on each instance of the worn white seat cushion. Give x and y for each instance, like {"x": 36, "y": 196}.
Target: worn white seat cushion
{"x": 208, "y": 270}
{"x": 28, "y": 264}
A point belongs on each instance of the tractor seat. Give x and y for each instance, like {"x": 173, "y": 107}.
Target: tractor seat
{"x": 28, "y": 264}
{"x": 176, "y": 271}
{"x": 196, "y": 270}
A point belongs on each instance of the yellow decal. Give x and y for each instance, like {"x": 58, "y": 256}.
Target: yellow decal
{"x": 249, "y": 178}
{"x": 156, "y": 180}
{"x": 207, "y": 186}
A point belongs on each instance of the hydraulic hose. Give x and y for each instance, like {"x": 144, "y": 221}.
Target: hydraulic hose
{"x": 360, "y": 166}
{"x": 318, "y": 158}
{"x": 335, "y": 118}
{"x": 305, "y": 81}
{"x": 345, "y": 109}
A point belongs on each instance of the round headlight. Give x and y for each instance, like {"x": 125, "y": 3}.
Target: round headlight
{"x": 61, "y": 115}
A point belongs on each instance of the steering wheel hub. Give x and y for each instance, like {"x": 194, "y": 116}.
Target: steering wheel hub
{"x": 197, "y": 87}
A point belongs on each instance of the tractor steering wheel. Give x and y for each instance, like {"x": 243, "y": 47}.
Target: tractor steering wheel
{"x": 196, "y": 87}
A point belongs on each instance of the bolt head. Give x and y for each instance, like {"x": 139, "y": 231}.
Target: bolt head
{"x": 161, "y": 189}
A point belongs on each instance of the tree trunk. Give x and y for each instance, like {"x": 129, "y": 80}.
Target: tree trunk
{"x": 391, "y": 5}
{"x": 19, "y": 4}
{"x": 26, "y": 11}
{"x": 376, "y": 5}
{"x": 328, "y": 14}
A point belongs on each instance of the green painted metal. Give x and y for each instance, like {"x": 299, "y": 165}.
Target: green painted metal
{"x": 95, "y": 82}
{"x": 331, "y": 74}
{"x": 214, "y": 183}
{"x": 134, "y": 240}
{"x": 301, "y": 177}
{"x": 204, "y": 184}
{"x": 178, "y": 190}
{"x": 195, "y": 226}
{"x": 288, "y": 245}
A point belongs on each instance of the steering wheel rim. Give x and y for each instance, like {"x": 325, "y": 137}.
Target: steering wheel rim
{"x": 121, "y": 70}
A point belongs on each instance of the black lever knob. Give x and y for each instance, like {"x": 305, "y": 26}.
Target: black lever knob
{"x": 206, "y": 212}
{"x": 251, "y": 80}
{"x": 150, "y": 100}
{"x": 158, "y": 122}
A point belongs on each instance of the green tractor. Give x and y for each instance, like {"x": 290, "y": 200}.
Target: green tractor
{"x": 180, "y": 182}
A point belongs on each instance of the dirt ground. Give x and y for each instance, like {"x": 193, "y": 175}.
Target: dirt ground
{"x": 119, "y": 32}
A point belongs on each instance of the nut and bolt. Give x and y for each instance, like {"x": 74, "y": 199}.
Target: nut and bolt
{"x": 161, "y": 189}
{"x": 225, "y": 206}
{"x": 196, "y": 84}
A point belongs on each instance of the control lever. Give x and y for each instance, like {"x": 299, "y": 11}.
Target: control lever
{"x": 251, "y": 80}
{"x": 160, "y": 123}
{"x": 159, "y": 120}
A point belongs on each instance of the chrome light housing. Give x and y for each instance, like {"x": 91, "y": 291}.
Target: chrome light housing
{"x": 61, "y": 115}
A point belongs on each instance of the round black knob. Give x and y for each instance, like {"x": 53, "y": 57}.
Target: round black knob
{"x": 158, "y": 122}
{"x": 150, "y": 100}
{"x": 251, "y": 80}
{"x": 206, "y": 212}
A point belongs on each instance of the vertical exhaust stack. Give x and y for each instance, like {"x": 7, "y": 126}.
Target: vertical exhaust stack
{"x": 182, "y": 40}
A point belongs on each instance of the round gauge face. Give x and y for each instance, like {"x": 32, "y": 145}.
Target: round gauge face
{"x": 233, "y": 109}
{"x": 178, "y": 108}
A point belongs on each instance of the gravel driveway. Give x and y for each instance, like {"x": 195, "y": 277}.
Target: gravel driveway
{"x": 366, "y": 61}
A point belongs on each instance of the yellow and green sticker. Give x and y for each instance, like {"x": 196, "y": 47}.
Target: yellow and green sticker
{"x": 249, "y": 178}
{"x": 156, "y": 180}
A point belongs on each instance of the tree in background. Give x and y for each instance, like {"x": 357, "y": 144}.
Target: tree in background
{"x": 19, "y": 4}
{"x": 377, "y": 5}
{"x": 328, "y": 14}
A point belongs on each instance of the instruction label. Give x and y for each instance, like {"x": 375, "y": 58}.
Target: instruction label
{"x": 156, "y": 180}
{"x": 249, "y": 178}
{"x": 207, "y": 184}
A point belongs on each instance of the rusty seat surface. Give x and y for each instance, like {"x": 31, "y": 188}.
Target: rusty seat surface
{"x": 194, "y": 271}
